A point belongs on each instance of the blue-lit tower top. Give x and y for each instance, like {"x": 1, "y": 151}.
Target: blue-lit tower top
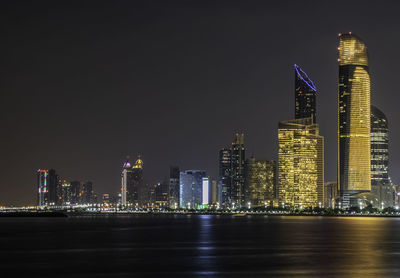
{"x": 305, "y": 95}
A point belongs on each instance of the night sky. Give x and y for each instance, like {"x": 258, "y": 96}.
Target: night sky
{"x": 83, "y": 84}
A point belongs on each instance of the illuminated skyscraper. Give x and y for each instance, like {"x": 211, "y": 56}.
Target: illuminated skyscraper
{"x": 126, "y": 178}
{"x": 237, "y": 171}
{"x": 301, "y": 164}
{"x": 161, "y": 194}
{"x": 191, "y": 189}
{"x": 260, "y": 182}
{"x": 42, "y": 185}
{"x": 379, "y": 147}
{"x": 305, "y": 95}
{"x": 354, "y": 159}
{"x": 138, "y": 192}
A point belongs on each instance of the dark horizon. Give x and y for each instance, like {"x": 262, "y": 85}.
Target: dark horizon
{"x": 84, "y": 85}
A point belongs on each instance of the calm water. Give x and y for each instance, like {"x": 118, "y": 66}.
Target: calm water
{"x": 205, "y": 246}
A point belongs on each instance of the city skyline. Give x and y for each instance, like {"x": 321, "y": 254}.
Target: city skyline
{"x": 90, "y": 145}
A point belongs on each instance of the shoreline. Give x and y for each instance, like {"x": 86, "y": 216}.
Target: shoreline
{"x": 64, "y": 214}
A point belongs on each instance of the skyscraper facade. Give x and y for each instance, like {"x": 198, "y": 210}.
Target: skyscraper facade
{"x": 42, "y": 185}
{"x": 300, "y": 164}
{"x": 87, "y": 193}
{"x": 305, "y": 95}
{"x": 75, "y": 192}
{"x": 354, "y": 146}
{"x": 225, "y": 156}
{"x": 237, "y": 171}
{"x": 174, "y": 187}
{"x": 138, "y": 192}
{"x": 53, "y": 186}
{"x": 379, "y": 147}
{"x": 260, "y": 182}
{"x": 191, "y": 189}
{"x": 126, "y": 179}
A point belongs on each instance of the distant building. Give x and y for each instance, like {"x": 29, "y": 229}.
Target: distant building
{"x": 354, "y": 119}
{"x": 138, "y": 192}
{"x": 126, "y": 182}
{"x": 301, "y": 164}
{"x": 205, "y": 191}
{"x": 260, "y": 182}
{"x": 75, "y": 192}
{"x": 191, "y": 188}
{"x": 65, "y": 192}
{"x": 174, "y": 187}
{"x": 225, "y": 157}
{"x": 237, "y": 171}
{"x": 331, "y": 194}
{"x": 87, "y": 193}
{"x": 214, "y": 193}
{"x": 305, "y": 95}
{"x": 42, "y": 185}
{"x": 161, "y": 194}
{"x": 106, "y": 199}
{"x": 379, "y": 147}
{"x": 53, "y": 186}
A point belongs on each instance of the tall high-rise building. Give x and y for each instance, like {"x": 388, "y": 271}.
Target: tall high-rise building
{"x": 300, "y": 164}
{"x": 75, "y": 192}
{"x": 379, "y": 147}
{"x": 42, "y": 185}
{"x": 87, "y": 193}
{"x": 126, "y": 179}
{"x": 138, "y": 192}
{"x": 354, "y": 116}
{"x": 260, "y": 182}
{"x": 65, "y": 192}
{"x": 191, "y": 188}
{"x": 205, "y": 200}
{"x": 237, "y": 171}
{"x": 305, "y": 95}
{"x": 225, "y": 156}
{"x": 52, "y": 188}
{"x": 214, "y": 194}
{"x": 174, "y": 187}
{"x": 161, "y": 194}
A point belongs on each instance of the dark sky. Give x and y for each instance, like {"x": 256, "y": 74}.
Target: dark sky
{"x": 83, "y": 84}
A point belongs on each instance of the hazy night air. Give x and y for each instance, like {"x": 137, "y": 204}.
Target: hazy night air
{"x": 83, "y": 85}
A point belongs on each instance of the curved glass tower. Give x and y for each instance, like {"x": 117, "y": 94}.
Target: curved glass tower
{"x": 305, "y": 94}
{"x": 354, "y": 163}
{"x": 379, "y": 147}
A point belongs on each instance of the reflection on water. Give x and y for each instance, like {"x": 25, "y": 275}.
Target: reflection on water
{"x": 201, "y": 245}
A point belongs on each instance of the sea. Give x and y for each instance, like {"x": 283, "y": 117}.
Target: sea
{"x": 166, "y": 245}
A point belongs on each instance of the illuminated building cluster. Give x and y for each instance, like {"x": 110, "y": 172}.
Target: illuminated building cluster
{"x": 55, "y": 192}
{"x": 297, "y": 181}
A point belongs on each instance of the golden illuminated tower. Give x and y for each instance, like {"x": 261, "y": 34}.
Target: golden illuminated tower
{"x": 354, "y": 163}
{"x": 300, "y": 164}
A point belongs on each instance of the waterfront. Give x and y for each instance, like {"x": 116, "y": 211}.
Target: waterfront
{"x": 200, "y": 245}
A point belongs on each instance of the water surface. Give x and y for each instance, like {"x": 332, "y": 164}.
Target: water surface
{"x": 200, "y": 246}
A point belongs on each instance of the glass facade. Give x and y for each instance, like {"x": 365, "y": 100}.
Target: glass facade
{"x": 305, "y": 95}
{"x": 174, "y": 187}
{"x": 191, "y": 189}
{"x": 225, "y": 155}
{"x": 354, "y": 163}
{"x": 237, "y": 171}
{"x": 379, "y": 147}
{"x": 260, "y": 182}
{"x": 300, "y": 164}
